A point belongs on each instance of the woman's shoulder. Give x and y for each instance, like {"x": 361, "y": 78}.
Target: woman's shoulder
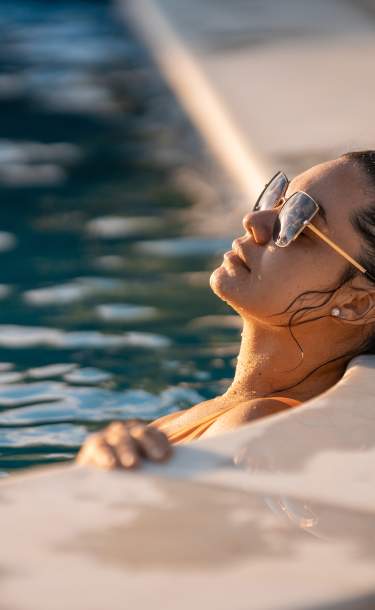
{"x": 232, "y": 415}
{"x": 165, "y": 419}
{"x": 191, "y": 416}
{"x": 251, "y": 410}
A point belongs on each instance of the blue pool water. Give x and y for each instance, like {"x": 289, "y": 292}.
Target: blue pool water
{"x": 106, "y": 312}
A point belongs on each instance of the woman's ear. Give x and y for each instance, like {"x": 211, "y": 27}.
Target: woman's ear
{"x": 359, "y": 308}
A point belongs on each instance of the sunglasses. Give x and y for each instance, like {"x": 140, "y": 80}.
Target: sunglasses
{"x": 295, "y": 216}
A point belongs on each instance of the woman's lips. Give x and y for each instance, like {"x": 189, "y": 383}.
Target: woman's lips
{"x": 238, "y": 251}
{"x": 233, "y": 257}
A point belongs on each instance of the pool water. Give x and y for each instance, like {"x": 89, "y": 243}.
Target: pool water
{"x": 106, "y": 311}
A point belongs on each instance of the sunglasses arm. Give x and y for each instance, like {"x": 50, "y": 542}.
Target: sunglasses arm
{"x": 337, "y": 248}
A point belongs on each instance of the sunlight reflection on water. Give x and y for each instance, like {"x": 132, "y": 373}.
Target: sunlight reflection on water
{"x": 106, "y": 309}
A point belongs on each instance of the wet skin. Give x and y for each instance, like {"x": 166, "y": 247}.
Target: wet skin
{"x": 259, "y": 281}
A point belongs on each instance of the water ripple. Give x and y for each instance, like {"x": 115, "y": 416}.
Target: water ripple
{"x": 95, "y": 237}
{"x": 183, "y": 246}
{"x": 88, "y": 375}
{"x": 59, "y": 402}
{"x": 70, "y": 292}
{"x": 113, "y": 227}
{"x": 15, "y": 336}
{"x": 114, "y": 312}
{"x": 50, "y": 370}
{"x": 67, "y": 435}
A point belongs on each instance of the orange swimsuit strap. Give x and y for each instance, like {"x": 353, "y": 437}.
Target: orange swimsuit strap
{"x": 195, "y": 430}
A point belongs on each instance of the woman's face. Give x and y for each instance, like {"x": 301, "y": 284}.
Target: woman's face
{"x": 273, "y": 277}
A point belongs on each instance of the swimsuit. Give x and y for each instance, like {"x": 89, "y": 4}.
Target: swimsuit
{"x": 195, "y": 430}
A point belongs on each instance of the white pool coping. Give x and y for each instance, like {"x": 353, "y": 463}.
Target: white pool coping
{"x": 277, "y": 514}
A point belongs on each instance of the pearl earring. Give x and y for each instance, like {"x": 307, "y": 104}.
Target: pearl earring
{"x": 335, "y": 311}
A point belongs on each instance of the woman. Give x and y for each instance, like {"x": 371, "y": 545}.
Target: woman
{"x": 302, "y": 278}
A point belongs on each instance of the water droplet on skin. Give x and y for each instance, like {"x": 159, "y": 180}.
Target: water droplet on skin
{"x": 259, "y": 277}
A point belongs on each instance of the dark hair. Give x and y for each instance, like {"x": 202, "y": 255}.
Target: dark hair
{"x": 363, "y": 221}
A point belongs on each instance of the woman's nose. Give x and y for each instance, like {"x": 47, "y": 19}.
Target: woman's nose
{"x": 260, "y": 225}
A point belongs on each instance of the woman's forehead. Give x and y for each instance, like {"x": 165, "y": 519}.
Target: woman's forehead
{"x": 333, "y": 182}
{"x": 340, "y": 188}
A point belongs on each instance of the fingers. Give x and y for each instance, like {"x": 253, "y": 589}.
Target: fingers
{"x": 117, "y": 435}
{"x": 122, "y": 444}
{"x": 97, "y": 452}
{"x": 152, "y": 442}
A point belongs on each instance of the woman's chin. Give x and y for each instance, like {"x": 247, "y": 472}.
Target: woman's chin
{"x": 229, "y": 286}
{"x": 224, "y": 282}
{"x": 232, "y": 287}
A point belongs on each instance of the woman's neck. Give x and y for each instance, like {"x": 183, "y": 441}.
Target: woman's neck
{"x": 269, "y": 361}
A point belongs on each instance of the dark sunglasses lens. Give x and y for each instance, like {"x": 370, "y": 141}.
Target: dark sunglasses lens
{"x": 296, "y": 212}
{"x": 272, "y": 193}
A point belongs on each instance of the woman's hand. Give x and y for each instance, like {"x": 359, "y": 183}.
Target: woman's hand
{"x": 123, "y": 444}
